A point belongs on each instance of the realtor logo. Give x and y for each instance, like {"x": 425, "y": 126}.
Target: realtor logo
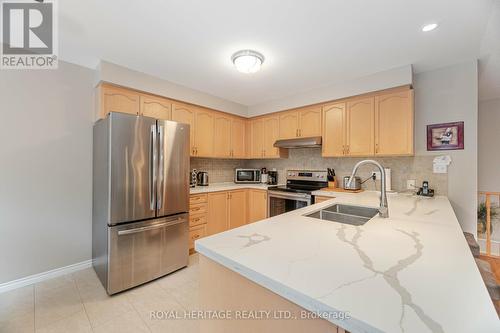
{"x": 29, "y": 34}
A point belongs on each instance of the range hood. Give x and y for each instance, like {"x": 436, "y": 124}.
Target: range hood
{"x": 311, "y": 142}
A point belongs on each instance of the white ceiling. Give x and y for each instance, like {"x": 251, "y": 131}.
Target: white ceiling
{"x": 307, "y": 44}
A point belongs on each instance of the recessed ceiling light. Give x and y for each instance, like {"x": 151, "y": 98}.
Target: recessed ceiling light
{"x": 429, "y": 27}
{"x": 247, "y": 61}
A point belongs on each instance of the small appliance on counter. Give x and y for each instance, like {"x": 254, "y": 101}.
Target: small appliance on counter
{"x": 192, "y": 179}
{"x": 202, "y": 178}
{"x": 355, "y": 184}
{"x": 425, "y": 191}
{"x": 247, "y": 176}
{"x": 272, "y": 177}
{"x": 263, "y": 176}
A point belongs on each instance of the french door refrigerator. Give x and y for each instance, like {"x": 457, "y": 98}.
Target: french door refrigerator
{"x": 140, "y": 199}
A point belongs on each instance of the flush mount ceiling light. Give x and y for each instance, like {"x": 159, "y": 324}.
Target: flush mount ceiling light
{"x": 429, "y": 27}
{"x": 247, "y": 61}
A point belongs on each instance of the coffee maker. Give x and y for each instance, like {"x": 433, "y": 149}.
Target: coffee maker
{"x": 272, "y": 177}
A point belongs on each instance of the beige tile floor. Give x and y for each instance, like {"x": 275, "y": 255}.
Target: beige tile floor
{"x": 78, "y": 303}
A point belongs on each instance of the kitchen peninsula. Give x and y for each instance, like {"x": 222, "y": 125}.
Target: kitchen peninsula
{"x": 411, "y": 272}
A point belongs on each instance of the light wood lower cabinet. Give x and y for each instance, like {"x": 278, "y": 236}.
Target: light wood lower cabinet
{"x": 198, "y": 207}
{"x": 216, "y": 212}
{"x": 257, "y": 205}
{"x": 218, "y": 216}
{"x": 237, "y": 208}
{"x": 196, "y": 233}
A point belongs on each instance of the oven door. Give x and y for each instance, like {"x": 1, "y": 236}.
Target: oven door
{"x": 282, "y": 202}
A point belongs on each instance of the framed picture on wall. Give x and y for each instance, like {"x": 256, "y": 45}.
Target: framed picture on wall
{"x": 447, "y": 136}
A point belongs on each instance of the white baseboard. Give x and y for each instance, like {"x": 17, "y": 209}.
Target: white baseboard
{"x": 32, "y": 279}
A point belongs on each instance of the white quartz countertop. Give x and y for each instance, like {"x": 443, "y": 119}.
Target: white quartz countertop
{"x": 217, "y": 187}
{"x": 412, "y": 272}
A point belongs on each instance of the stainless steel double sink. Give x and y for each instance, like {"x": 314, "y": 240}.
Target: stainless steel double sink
{"x": 348, "y": 214}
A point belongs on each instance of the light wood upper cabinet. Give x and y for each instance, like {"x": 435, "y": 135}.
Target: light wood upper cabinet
{"x": 217, "y": 212}
{"x": 257, "y": 205}
{"x": 238, "y": 136}
{"x": 237, "y": 208}
{"x": 156, "y": 107}
{"x": 334, "y": 128}
{"x": 271, "y": 133}
{"x": 184, "y": 113}
{"x": 394, "y": 123}
{"x": 222, "y": 135}
{"x": 204, "y": 133}
{"x": 360, "y": 127}
{"x": 115, "y": 99}
{"x": 305, "y": 122}
{"x": 289, "y": 125}
{"x": 256, "y": 138}
{"x": 309, "y": 122}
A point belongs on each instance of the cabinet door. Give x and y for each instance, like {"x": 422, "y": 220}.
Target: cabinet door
{"x": 184, "y": 113}
{"x": 204, "y": 133}
{"x": 309, "y": 122}
{"x": 289, "y": 125}
{"x": 116, "y": 99}
{"x": 237, "y": 208}
{"x": 222, "y": 136}
{"x": 217, "y": 212}
{"x": 155, "y": 107}
{"x": 394, "y": 123}
{"x": 271, "y": 132}
{"x": 334, "y": 120}
{"x": 361, "y": 127}
{"x": 238, "y": 138}
{"x": 257, "y": 205}
{"x": 257, "y": 138}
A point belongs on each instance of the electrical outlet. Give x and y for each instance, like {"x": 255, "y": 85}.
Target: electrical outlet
{"x": 411, "y": 184}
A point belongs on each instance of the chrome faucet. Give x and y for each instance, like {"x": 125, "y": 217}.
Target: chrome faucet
{"x": 383, "y": 210}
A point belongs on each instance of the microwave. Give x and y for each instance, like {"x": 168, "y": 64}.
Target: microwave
{"x": 247, "y": 176}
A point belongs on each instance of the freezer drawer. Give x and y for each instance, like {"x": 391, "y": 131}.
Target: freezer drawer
{"x": 143, "y": 251}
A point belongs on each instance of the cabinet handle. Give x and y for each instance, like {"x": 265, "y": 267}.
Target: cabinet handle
{"x": 376, "y": 148}
{"x": 196, "y": 219}
{"x": 343, "y": 149}
{"x": 300, "y": 132}
{"x": 196, "y": 236}
{"x": 348, "y": 149}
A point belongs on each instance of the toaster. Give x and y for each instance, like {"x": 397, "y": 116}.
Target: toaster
{"x": 355, "y": 184}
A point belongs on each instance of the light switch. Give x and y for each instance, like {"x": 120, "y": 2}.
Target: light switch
{"x": 440, "y": 168}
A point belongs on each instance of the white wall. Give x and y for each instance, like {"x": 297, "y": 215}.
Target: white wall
{"x": 488, "y": 146}
{"x": 132, "y": 79}
{"x": 445, "y": 95}
{"x": 383, "y": 80}
{"x": 46, "y": 169}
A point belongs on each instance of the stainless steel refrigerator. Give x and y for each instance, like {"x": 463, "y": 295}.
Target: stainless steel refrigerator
{"x": 140, "y": 199}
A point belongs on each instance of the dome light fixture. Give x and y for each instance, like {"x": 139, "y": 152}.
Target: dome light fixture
{"x": 247, "y": 61}
{"x": 429, "y": 27}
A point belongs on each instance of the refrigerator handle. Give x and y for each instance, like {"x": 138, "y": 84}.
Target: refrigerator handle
{"x": 161, "y": 167}
{"x": 152, "y": 167}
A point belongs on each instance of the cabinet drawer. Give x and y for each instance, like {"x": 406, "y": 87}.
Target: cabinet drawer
{"x": 197, "y": 220}
{"x": 197, "y": 198}
{"x": 318, "y": 199}
{"x": 196, "y": 233}
{"x": 198, "y": 208}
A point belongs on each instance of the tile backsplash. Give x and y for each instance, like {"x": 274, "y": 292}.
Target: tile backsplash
{"x": 402, "y": 168}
